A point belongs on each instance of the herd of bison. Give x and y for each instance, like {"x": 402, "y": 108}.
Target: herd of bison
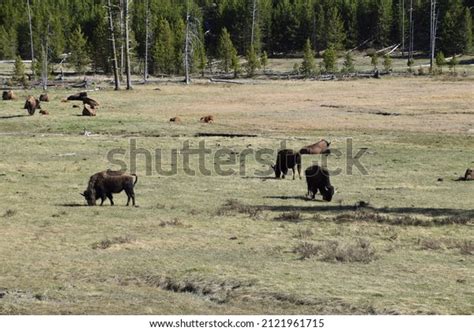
{"x": 104, "y": 184}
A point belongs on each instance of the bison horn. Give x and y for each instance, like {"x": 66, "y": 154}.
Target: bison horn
{"x": 82, "y": 194}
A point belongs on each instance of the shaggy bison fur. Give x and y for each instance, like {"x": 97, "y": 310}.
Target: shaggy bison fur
{"x": 32, "y": 104}
{"x": 287, "y": 159}
{"x": 103, "y": 184}
{"x": 321, "y": 147}
{"x": 207, "y": 119}
{"x": 8, "y": 95}
{"x": 317, "y": 179}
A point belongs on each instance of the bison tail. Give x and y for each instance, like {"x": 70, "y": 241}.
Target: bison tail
{"x": 136, "y": 179}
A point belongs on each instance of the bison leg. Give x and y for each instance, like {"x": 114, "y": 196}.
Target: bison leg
{"x": 299, "y": 170}
{"x": 102, "y": 201}
{"x": 130, "y": 195}
{"x": 111, "y": 198}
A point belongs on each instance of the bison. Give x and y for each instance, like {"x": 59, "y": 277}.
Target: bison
{"x": 44, "y": 112}
{"x": 287, "y": 159}
{"x": 88, "y": 111}
{"x": 469, "y": 175}
{"x": 207, "y": 119}
{"x": 8, "y": 95}
{"x": 44, "y": 98}
{"x": 317, "y": 178}
{"x": 103, "y": 184}
{"x": 32, "y": 104}
{"x": 77, "y": 97}
{"x": 321, "y": 147}
{"x": 91, "y": 102}
{"x": 176, "y": 119}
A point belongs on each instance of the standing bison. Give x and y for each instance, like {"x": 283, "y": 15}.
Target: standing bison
{"x": 32, "y": 104}
{"x": 317, "y": 178}
{"x": 287, "y": 159}
{"x": 103, "y": 184}
{"x": 321, "y": 147}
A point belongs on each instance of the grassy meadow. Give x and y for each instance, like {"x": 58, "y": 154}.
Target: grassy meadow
{"x": 397, "y": 240}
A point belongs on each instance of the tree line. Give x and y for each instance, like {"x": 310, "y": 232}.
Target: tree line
{"x": 166, "y": 34}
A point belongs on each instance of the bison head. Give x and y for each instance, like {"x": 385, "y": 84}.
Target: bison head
{"x": 277, "y": 171}
{"x": 90, "y": 197}
{"x": 328, "y": 193}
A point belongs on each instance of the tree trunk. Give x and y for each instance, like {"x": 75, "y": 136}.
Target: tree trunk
{"x": 114, "y": 49}
{"x": 31, "y": 40}
{"x": 186, "y": 50}
{"x": 147, "y": 14}
{"x": 127, "y": 48}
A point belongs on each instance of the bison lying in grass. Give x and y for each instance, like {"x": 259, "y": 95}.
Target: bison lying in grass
{"x": 321, "y": 147}
{"x": 8, "y": 95}
{"x": 287, "y": 159}
{"x": 207, "y": 119}
{"x": 469, "y": 175}
{"x": 44, "y": 97}
{"x": 103, "y": 184}
{"x": 317, "y": 178}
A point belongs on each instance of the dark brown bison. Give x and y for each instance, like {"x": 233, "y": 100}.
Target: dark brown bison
{"x": 317, "y": 178}
{"x": 32, "y": 104}
{"x": 321, "y": 147}
{"x": 91, "y": 102}
{"x": 287, "y": 159}
{"x": 207, "y": 119}
{"x": 88, "y": 111}
{"x": 44, "y": 112}
{"x": 44, "y": 97}
{"x": 77, "y": 97}
{"x": 103, "y": 184}
{"x": 176, "y": 119}
{"x": 8, "y": 95}
{"x": 469, "y": 175}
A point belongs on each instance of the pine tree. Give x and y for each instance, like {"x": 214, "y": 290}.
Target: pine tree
{"x": 201, "y": 59}
{"x": 387, "y": 62}
{"x": 466, "y": 28}
{"x": 79, "y": 55}
{"x": 264, "y": 60}
{"x": 225, "y": 50}
{"x": 252, "y": 62}
{"x": 19, "y": 72}
{"x": 308, "y": 66}
{"x": 163, "y": 52}
{"x": 453, "y": 63}
{"x": 329, "y": 60}
{"x": 374, "y": 61}
{"x": 348, "y": 63}
{"x": 335, "y": 34}
{"x": 384, "y": 20}
{"x": 440, "y": 59}
{"x": 235, "y": 63}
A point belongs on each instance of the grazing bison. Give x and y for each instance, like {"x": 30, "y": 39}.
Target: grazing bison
{"x": 469, "y": 175}
{"x": 176, "y": 119}
{"x": 287, "y": 159}
{"x": 44, "y": 97}
{"x": 88, "y": 111}
{"x": 103, "y": 184}
{"x": 207, "y": 119}
{"x": 32, "y": 104}
{"x": 317, "y": 178}
{"x": 8, "y": 95}
{"x": 321, "y": 147}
